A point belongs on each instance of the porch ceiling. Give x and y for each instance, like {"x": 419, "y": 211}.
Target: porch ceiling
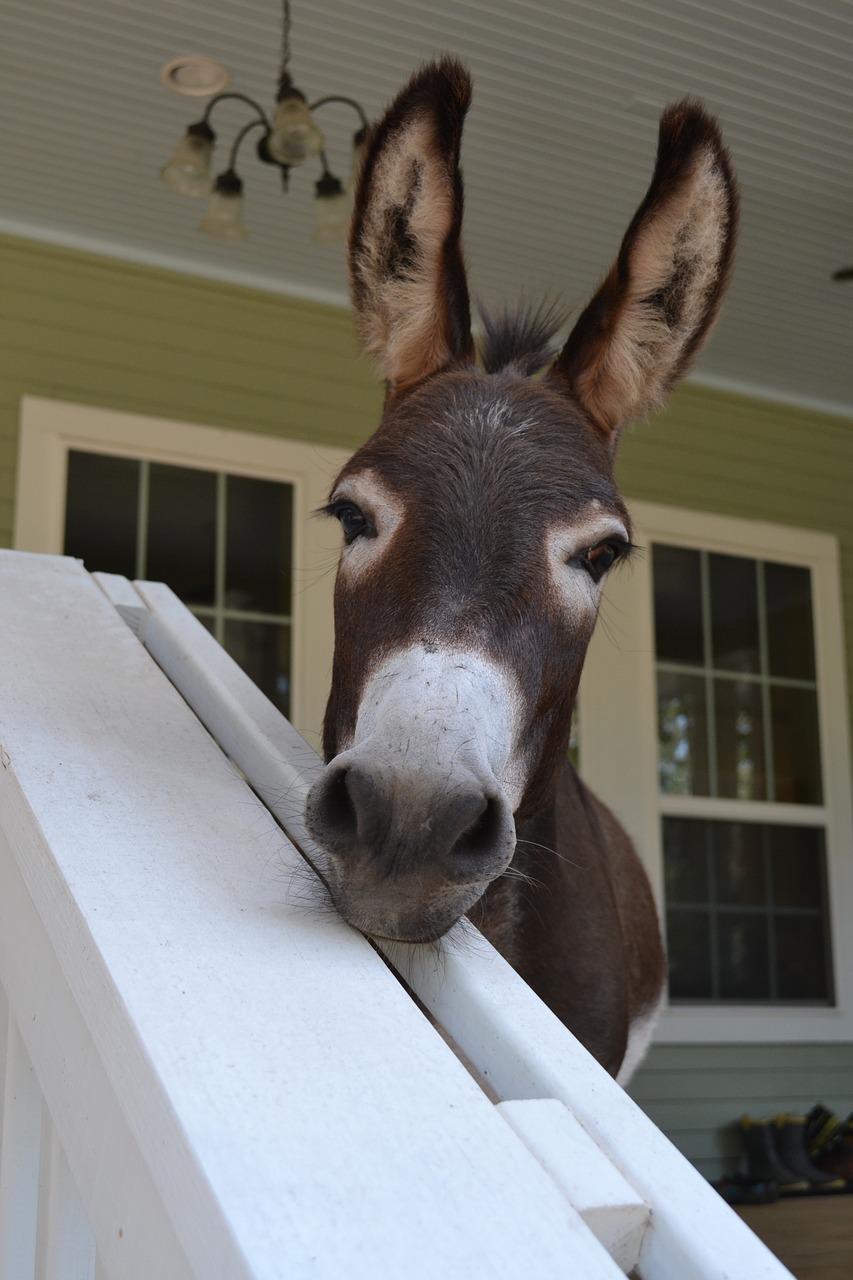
{"x": 557, "y": 153}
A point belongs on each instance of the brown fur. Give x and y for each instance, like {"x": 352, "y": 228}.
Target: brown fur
{"x": 481, "y": 471}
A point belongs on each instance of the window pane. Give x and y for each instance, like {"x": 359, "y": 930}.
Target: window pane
{"x": 734, "y": 613}
{"x": 258, "y": 545}
{"x": 182, "y": 532}
{"x": 678, "y": 605}
{"x": 100, "y": 512}
{"x": 802, "y": 959}
{"x": 740, "y": 740}
{"x": 798, "y": 866}
{"x": 682, "y": 734}
{"x": 744, "y": 956}
{"x": 263, "y": 651}
{"x": 747, "y": 912}
{"x": 739, "y": 871}
{"x": 790, "y": 631}
{"x": 687, "y": 867}
{"x": 688, "y": 945}
{"x": 796, "y": 745}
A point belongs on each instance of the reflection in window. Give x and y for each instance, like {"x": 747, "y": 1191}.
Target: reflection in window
{"x": 737, "y": 697}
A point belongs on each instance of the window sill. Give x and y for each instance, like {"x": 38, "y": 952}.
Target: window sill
{"x": 753, "y": 1024}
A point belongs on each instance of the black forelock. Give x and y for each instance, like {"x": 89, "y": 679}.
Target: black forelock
{"x": 520, "y": 337}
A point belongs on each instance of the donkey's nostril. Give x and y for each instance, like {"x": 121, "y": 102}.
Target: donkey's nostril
{"x": 485, "y": 833}
{"x": 338, "y": 809}
{"x": 343, "y": 807}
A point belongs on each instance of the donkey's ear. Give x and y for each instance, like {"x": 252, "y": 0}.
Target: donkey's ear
{"x": 654, "y": 309}
{"x": 406, "y": 268}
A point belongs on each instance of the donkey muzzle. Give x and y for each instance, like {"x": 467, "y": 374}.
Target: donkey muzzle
{"x": 409, "y": 851}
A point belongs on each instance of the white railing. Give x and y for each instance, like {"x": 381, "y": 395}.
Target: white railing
{"x": 206, "y": 1075}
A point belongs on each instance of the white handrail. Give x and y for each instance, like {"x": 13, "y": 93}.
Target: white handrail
{"x": 239, "y": 1085}
{"x": 513, "y": 1040}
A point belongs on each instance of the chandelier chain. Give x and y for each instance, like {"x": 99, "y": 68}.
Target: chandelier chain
{"x": 285, "y": 37}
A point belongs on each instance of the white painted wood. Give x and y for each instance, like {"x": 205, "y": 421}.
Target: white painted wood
{"x": 513, "y": 1041}
{"x": 278, "y": 761}
{"x": 129, "y": 1218}
{"x": 609, "y": 1206}
{"x": 523, "y": 1051}
{"x": 127, "y": 602}
{"x": 19, "y": 1158}
{"x": 243, "y": 1089}
{"x": 65, "y": 1248}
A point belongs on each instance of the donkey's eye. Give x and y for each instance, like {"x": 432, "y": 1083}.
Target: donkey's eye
{"x": 353, "y": 522}
{"x": 597, "y": 560}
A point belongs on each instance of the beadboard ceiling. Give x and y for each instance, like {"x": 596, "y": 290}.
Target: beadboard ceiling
{"x": 557, "y": 153}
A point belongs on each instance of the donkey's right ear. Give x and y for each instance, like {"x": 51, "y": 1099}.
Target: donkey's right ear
{"x": 406, "y": 269}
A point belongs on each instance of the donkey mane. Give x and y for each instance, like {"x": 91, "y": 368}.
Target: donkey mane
{"x": 520, "y": 337}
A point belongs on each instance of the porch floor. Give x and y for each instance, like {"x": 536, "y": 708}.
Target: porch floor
{"x": 811, "y": 1235}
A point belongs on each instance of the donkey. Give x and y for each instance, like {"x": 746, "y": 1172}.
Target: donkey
{"x": 479, "y": 523}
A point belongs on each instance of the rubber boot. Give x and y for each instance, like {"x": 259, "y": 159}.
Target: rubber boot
{"x": 763, "y": 1162}
{"x": 830, "y": 1143}
{"x": 790, "y": 1137}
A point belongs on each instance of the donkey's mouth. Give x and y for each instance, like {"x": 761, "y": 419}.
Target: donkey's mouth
{"x": 387, "y": 916}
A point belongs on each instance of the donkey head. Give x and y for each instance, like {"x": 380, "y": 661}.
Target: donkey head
{"x": 480, "y": 520}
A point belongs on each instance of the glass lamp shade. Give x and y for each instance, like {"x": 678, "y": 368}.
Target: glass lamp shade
{"x": 294, "y": 137}
{"x": 332, "y": 211}
{"x": 188, "y": 171}
{"x": 223, "y": 219}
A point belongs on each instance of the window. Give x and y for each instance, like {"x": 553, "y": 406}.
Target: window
{"x": 715, "y": 724}
{"x": 737, "y": 716}
{"x": 737, "y": 691}
{"x": 224, "y": 517}
{"x": 222, "y": 542}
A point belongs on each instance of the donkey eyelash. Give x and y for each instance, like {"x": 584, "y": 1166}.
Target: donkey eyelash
{"x": 596, "y": 560}
{"x": 359, "y": 526}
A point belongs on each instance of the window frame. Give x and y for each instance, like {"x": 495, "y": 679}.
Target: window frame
{"x": 50, "y": 429}
{"x": 619, "y": 757}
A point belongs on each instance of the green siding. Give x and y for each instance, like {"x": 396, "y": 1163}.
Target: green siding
{"x": 696, "y": 1093}
{"x": 93, "y": 330}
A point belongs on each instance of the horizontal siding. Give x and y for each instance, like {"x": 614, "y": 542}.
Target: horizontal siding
{"x": 696, "y": 1093}
{"x": 93, "y": 330}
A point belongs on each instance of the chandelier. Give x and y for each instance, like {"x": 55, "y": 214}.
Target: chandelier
{"x": 288, "y": 139}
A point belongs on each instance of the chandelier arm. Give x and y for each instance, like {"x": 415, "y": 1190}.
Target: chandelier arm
{"x": 350, "y": 102}
{"x": 241, "y": 97}
{"x": 247, "y": 128}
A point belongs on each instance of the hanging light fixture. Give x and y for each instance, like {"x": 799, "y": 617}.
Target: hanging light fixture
{"x": 289, "y": 139}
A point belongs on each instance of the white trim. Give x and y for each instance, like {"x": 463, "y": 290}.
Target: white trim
{"x": 619, "y": 749}
{"x": 50, "y": 428}
{"x": 774, "y": 395}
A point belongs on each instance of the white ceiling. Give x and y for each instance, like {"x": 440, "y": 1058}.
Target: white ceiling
{"x": 558, "y": 148}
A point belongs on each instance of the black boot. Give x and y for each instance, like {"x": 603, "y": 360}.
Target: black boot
{"x": 763, "y": 1159}
{"x": 791, "y": 1145}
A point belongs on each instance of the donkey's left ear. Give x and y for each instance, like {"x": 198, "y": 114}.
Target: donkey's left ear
{"x": 406, "y": 268}
{"x": 653, "y": 311}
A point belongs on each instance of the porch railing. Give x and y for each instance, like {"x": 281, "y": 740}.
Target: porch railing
{"x": 203, "y": 1073}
